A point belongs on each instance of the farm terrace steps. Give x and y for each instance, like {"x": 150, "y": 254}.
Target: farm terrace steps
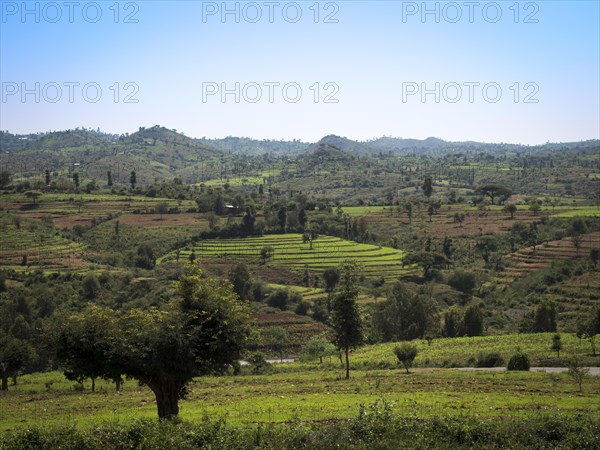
{"x": 527, "y": 260}
{"x": 289, "y": 251}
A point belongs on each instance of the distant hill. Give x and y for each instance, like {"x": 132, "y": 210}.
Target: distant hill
{"x": 343, "y": 144}
{"x": 249, "y": 146}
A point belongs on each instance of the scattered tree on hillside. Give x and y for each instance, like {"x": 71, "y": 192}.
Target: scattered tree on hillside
{"x": 472, "y": 324}
{"x": 133, "y": 180}
{"x": 406, "y": 354}
{"x": 556, "y": 344}
{"x": 494, "y": 191}
{"x": 511, "y": 208}
{"x": 427, "y": 187}
{"x": 239, "y": 276}
{"x": 331, "y": 276}
{"x": 161, "y": 208}
{"x": 33, "y": 196}
{"x": 344, "y": 314}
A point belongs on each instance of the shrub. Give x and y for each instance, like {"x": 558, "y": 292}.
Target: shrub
{"x": 519, "y": 361}
{"x": 406, "y": 354}
{"x": 493, "y": 359}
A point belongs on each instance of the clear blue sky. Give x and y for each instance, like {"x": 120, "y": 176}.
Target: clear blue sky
{"x": 374, "y": 58}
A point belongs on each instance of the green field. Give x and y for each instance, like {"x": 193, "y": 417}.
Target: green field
{"x": 306, "y": 395}
{"x": 290, "y": 252}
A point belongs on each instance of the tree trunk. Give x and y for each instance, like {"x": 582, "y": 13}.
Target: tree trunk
{"x": 4, "y": 381}
{"x": 167, "y": 397}
{"x": 118, "y": 383}
{"x": 93, "y": 384}
{"x": 347, "y": 365}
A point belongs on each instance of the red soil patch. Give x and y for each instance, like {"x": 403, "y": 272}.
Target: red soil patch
{"x": 166, "y": 220}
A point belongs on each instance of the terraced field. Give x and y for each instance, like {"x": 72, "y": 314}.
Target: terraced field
{"x": 299, "y": 329}
{"x": 529, "y": 259}
{"x": 22, "y": 248}
{"x": 290, "y": 252}
{"x": 68, "y": 210}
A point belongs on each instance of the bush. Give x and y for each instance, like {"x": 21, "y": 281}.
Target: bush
{"x": 519, "y": 361}
{"x": 493, "y": 359}
{"x": 406, "y": 354}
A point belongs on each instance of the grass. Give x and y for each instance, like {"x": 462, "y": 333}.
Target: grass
{"x": 305, "y": 395}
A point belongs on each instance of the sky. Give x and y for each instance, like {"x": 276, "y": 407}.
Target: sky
{"x": 507, "y": 71}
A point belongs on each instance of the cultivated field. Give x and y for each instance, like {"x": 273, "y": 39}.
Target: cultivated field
{"x": 290, "y": 252}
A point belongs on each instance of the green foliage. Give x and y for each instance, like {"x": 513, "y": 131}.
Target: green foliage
{"x": 406, "y": 354}
{"x": 203, "y": 331}
{"x": 403, "y": 316}
{"x": 472, "y": 324}
{"x": 463, "y": 281}
{"x": 239, "y": 276}
{"x": 492, "y": 359}
{"x": 345, "y": 317}
{"x": 519, "y": 361}
{"x": 556, "y": 344}
{"x": 577, "y": 372}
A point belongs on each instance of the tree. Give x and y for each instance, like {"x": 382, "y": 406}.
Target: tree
{"x": 282, "y": 217}
{"x": 202, "y": 331}
{"x": 5, "y": 178}
{"x": 302, "y": 217}
{"x": 90, "y": 286}
{"x": 248, "y": 220}
{"x": 556, "y": 344}
{"x": 428, "y": 260}
{"x": 408, "y": 207}
{"x": 544, "y": 318}
{"x": 344, "y": 315}
{"x": 279, "y": 338}
{"x": 463, "y": 281}
{"x": 589, "y": 328}
{"x": 76, "y": 180}
{"x": 427, "y": 187}
{"x": 406, "y": 354}
{"x": 511, "y": 208}
{"x": 331, "y": 276}
{"x": 452, "y": 323}
{"x": 161, "y": 208}
{"x": 109, "y": 180}
{"x": 33, "y": 196}
{"x": 14, "y": 355}
{"x": 145, "y": 257}
{"x": 239, "y": 276}
{"x": 595, "y": 256}
{"x": 266, "y": 252}
{"x": 473, "y": 321}
{"x": 47, "y": 177}
{"x": 402, "y": 316}
{"x": 495, "y": 191}
{"x": 318, "y": 347}
{"x": 133, "y": 180}
{"x": 577, "y": 372}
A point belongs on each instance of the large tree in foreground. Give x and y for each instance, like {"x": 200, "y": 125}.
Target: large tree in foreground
{"x": 202, "y": 331}
{"x": 344, "y": 315}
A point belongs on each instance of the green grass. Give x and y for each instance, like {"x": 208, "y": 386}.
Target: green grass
{"x": 304, "y": 395}
{"x": 458, "y": 351}
{"x": 580, "y": 211}
{"x": 291, "y": 252}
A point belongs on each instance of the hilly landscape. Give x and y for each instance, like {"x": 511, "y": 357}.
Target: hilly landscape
{"x": 468, "y": 254}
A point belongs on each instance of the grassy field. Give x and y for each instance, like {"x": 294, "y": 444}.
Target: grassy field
{"x": 305, "y": 395}
{"x": 290, "y": 252}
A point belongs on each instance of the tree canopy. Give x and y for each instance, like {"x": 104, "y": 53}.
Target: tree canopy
{"x": 201, "y": 331}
